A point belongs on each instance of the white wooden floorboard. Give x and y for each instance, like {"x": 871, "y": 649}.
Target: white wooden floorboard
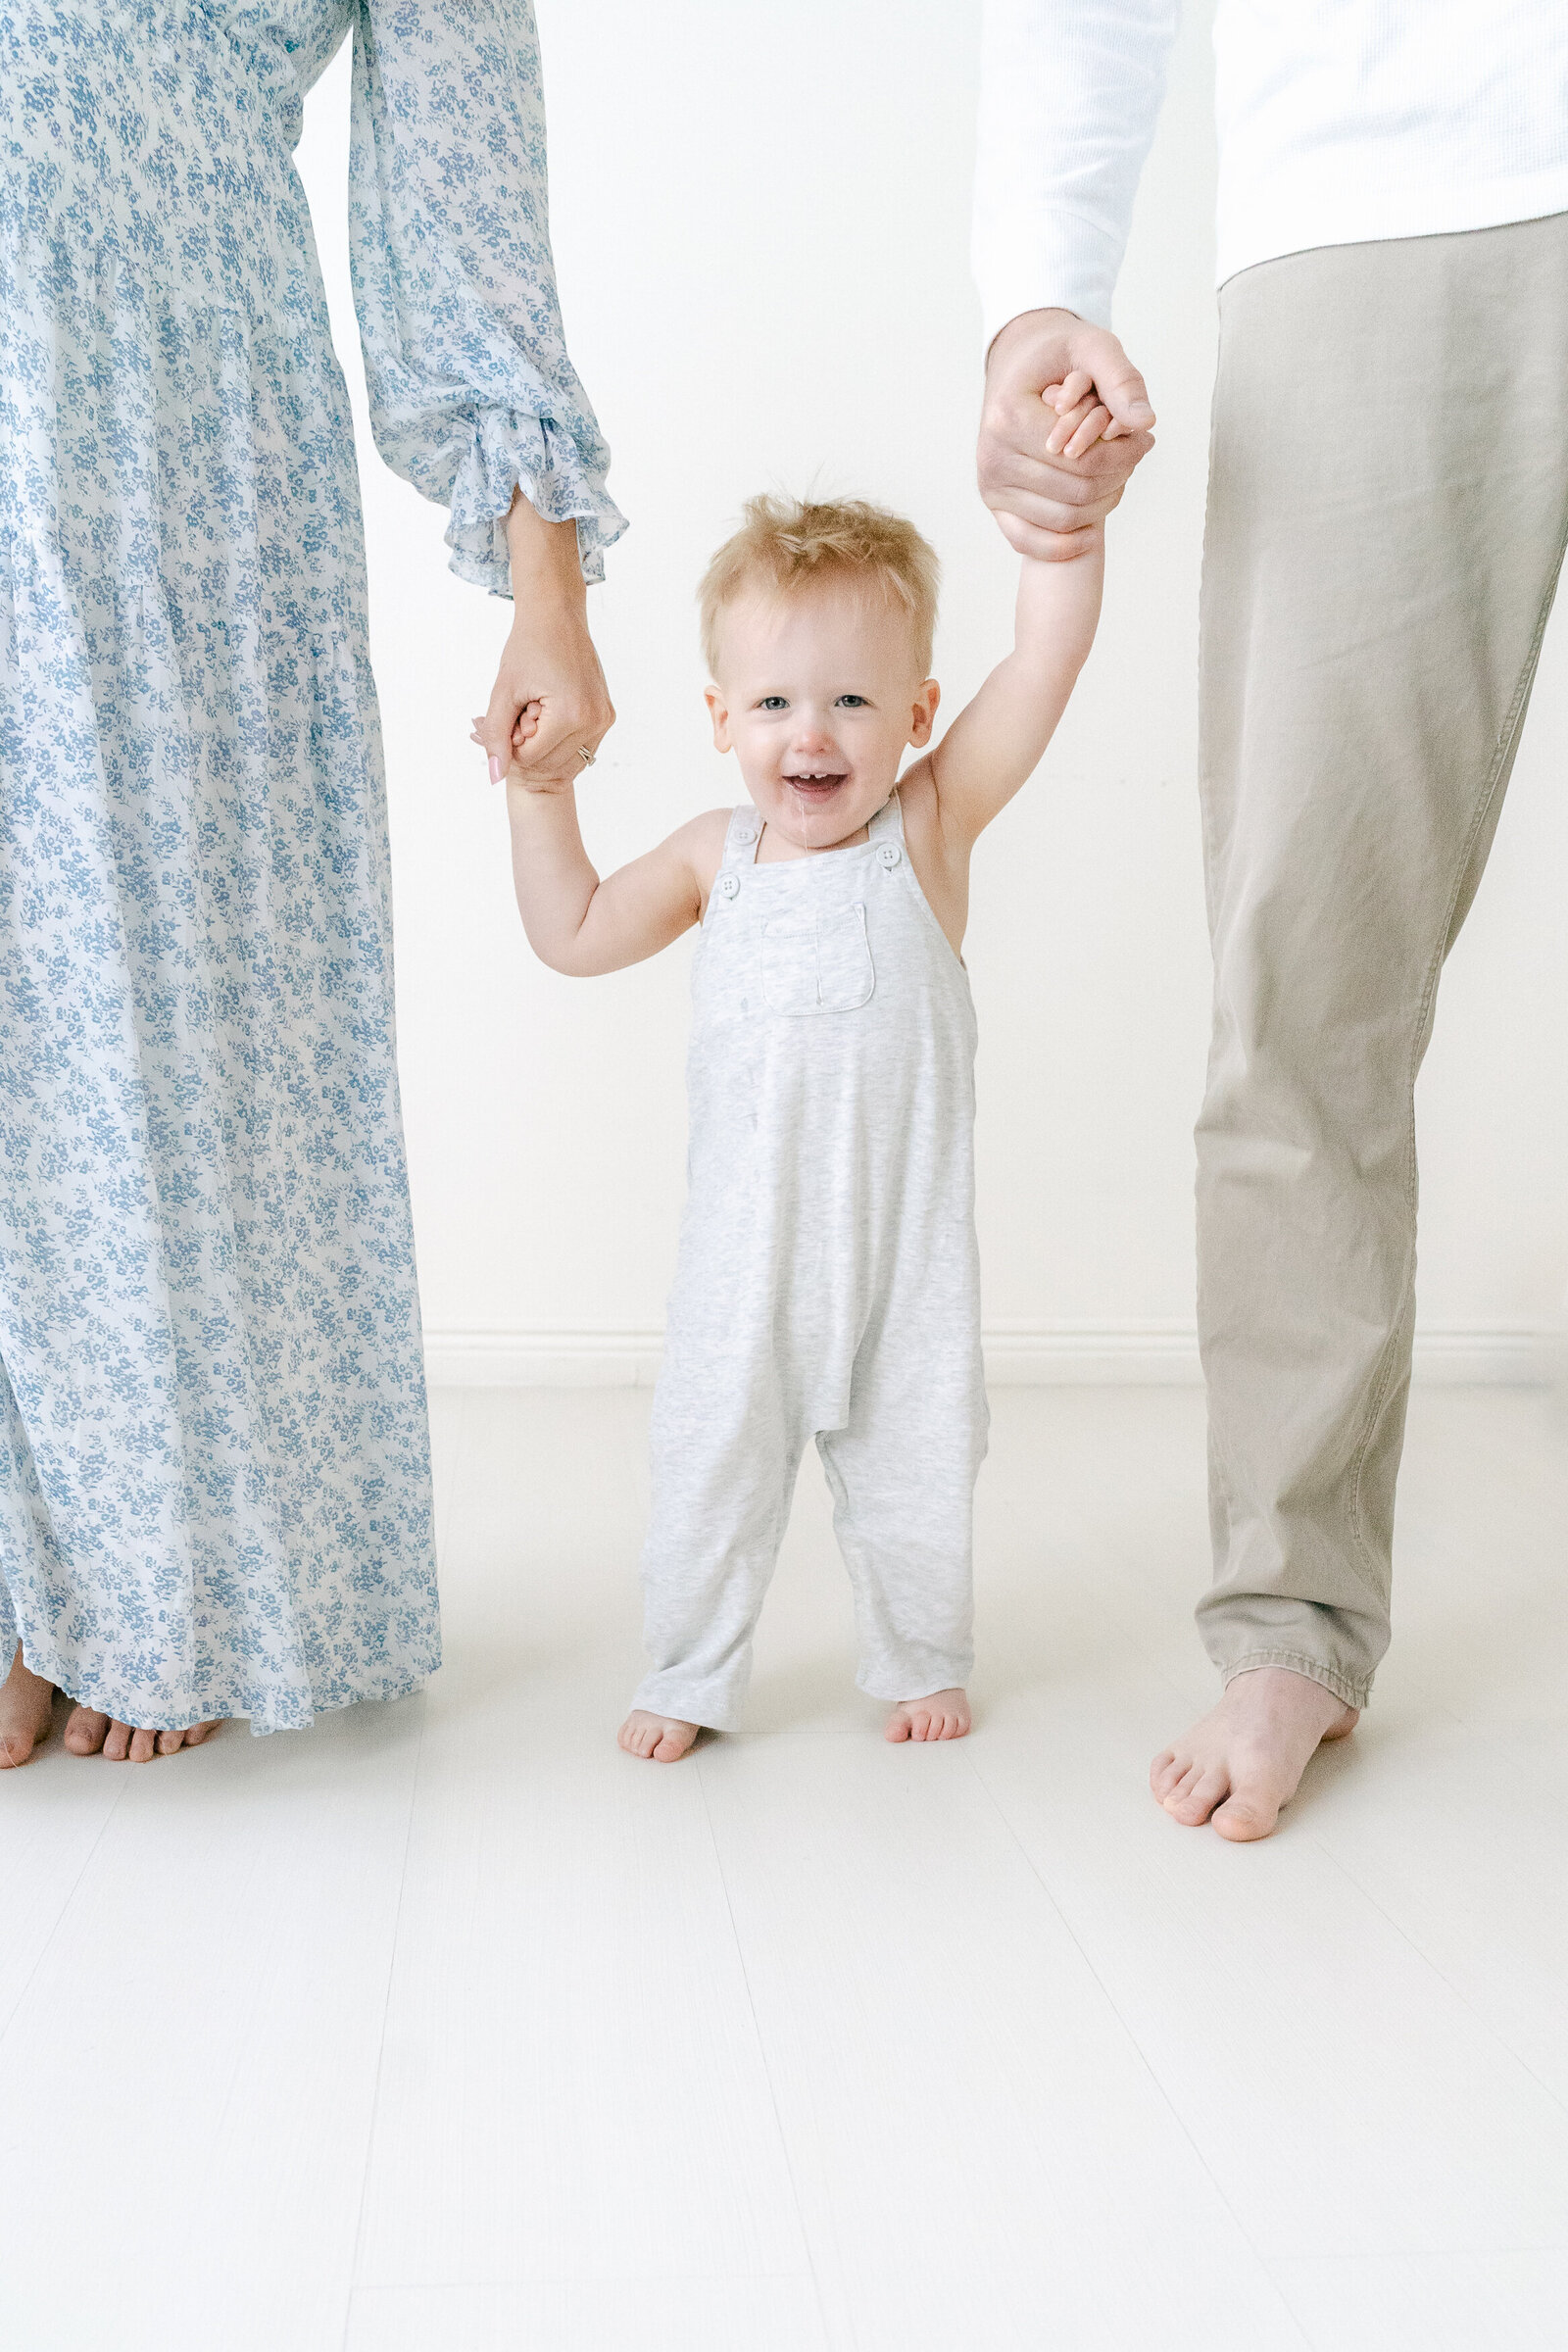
{"x": 982, "y": 2156}
{"x": 576, "y": 2314}
{"x": 1344, "y": 2095}
{"x": 188, "y": 2076}
{"x": 1431, "y": 2302}
{"x": 570, "y": 2052}
{"x": 811, "y": 2046}
{"x": 52, "y": 1816}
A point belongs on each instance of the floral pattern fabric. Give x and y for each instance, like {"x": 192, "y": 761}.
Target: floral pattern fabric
{"x": 213, "y": 1461}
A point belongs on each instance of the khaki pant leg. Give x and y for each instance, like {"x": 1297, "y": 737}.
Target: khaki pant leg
{"x": 1388, "y": 505}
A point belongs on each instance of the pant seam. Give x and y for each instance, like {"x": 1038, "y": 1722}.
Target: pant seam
{"x": 1507, "y": 743}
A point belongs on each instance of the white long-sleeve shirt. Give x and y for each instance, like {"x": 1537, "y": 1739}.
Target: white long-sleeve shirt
{"x": 1340, "y": 120}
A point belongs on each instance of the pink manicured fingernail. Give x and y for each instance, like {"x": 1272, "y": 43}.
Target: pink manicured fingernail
{"x": 495, "y": 769}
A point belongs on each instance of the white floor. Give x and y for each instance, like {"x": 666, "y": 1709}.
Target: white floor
{"x": 448, "y": 2026}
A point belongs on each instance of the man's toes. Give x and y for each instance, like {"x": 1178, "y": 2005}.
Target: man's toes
{"x": 1247, "y": 1815}
{"x": 1195, "y": 1797}
{"x": 1165, "y": 1771}
{"x": 87, "y": 1732}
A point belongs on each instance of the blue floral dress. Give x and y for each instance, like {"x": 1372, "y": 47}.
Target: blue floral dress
{"x": 214, "y": 1463}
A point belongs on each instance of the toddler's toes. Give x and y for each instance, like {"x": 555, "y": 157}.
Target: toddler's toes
{"x": 942, "y": 1715}
{"x": 660, "y": 1739}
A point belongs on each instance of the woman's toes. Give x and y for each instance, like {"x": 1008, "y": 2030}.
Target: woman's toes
{"x": 117, "y": 1740}
{"x": 199, "y": 1734}
{"x": 171, "y": 1742}
{"x": 143, "y": 1745}
{"x": 87, "y": 1732}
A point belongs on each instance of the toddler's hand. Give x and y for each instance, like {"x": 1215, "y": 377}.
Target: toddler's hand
{"x": 1082, "y": 416}
{"x": 526, "y": 725}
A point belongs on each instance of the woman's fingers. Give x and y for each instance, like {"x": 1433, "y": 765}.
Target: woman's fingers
{"x": 550, "y": 695}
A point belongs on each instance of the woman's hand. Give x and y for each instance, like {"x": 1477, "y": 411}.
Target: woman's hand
{"x": 550, "y": 702}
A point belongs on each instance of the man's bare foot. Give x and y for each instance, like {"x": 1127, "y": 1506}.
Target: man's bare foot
{"x": 942, "y": 1715}
{"x": 1243, "y": 1761}
{"x": 26, "y": 1701}
{"x": 662, "y": 1738}
{"x": 89, "y": 1732}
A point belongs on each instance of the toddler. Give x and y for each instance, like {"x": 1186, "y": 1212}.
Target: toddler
{"x": 828, "y": 1277}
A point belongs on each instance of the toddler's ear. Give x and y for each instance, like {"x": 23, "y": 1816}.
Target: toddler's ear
{"x": 923, "y": 716}
{"x": 719, "y": 715}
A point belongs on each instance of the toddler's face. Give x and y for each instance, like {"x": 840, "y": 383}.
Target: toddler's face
{"x": 817, "y": 696}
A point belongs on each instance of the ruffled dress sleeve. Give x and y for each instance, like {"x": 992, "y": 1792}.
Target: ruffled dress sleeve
{"x": 472, "y": 392}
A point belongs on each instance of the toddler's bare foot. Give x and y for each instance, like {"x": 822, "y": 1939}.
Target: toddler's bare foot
{"x": 89, "y": 1731}
{"x": 663, "y": 1737}
{"x": 25, "y": 1700}
{"x": 943, "y": 1715}
{"x": 1246, "y": 1759}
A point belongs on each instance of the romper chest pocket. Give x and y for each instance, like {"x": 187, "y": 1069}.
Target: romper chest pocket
{"x": 819, "y": 963}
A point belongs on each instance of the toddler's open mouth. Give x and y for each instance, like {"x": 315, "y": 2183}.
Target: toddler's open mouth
{"x": 817, "y": 783}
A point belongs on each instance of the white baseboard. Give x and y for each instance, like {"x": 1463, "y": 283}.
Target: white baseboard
{"x": 1017, "y": 1355}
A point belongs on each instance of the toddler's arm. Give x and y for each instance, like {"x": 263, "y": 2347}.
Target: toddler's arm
{"x": 580, "y": 925}
{"x": 996, "y": 743}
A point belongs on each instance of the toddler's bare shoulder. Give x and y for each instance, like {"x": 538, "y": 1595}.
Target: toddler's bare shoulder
{"x": 700, "y": 843}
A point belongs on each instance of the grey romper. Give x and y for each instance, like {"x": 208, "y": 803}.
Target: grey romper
{"x": 828, "y": 1283}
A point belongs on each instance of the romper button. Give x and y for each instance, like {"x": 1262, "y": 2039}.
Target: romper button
{"x": 889, "y": 853}
{"x": 728, "y": 885}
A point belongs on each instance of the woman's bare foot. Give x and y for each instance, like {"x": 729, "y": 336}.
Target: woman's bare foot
{"x": 942, "y": 1715}
{"x": 25, "y": 1702}
{"x": 662, "y": 1738}
{"x": 89, "y": 1732}
{"x": 1246, "y": 1759}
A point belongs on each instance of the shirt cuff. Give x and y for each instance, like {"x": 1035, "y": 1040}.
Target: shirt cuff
{"x": 1057, "y": 260}
{"x": 508, "y": 451}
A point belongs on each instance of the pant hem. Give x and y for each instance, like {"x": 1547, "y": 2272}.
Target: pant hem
{"x": 1349, "y": 1691}
{"x": 702, "y": 1712}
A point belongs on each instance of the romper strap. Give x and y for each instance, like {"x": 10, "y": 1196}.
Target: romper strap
{"x": 888, "y": 822}
{"x": 740, "y": 842}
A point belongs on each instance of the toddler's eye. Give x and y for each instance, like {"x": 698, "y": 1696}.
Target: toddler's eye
{"x": 772, "y": 701}
{"x": 855, "y": 702}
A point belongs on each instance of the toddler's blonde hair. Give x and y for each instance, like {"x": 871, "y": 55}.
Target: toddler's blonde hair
{"x": 785, "y": 544}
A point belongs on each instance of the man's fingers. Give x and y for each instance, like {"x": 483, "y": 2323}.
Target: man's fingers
{"x": 1123, "y": 390}
{"x": 1046, "y": 546}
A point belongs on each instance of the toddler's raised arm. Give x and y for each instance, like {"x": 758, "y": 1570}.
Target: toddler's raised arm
{"x": 577, "y": 923}
{"x": 995, "y": 744}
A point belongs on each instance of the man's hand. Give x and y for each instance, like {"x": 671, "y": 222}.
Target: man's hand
{"x": 1049, "y": 477}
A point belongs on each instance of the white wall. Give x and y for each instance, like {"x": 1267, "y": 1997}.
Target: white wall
{"x": 761, "y": 222}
